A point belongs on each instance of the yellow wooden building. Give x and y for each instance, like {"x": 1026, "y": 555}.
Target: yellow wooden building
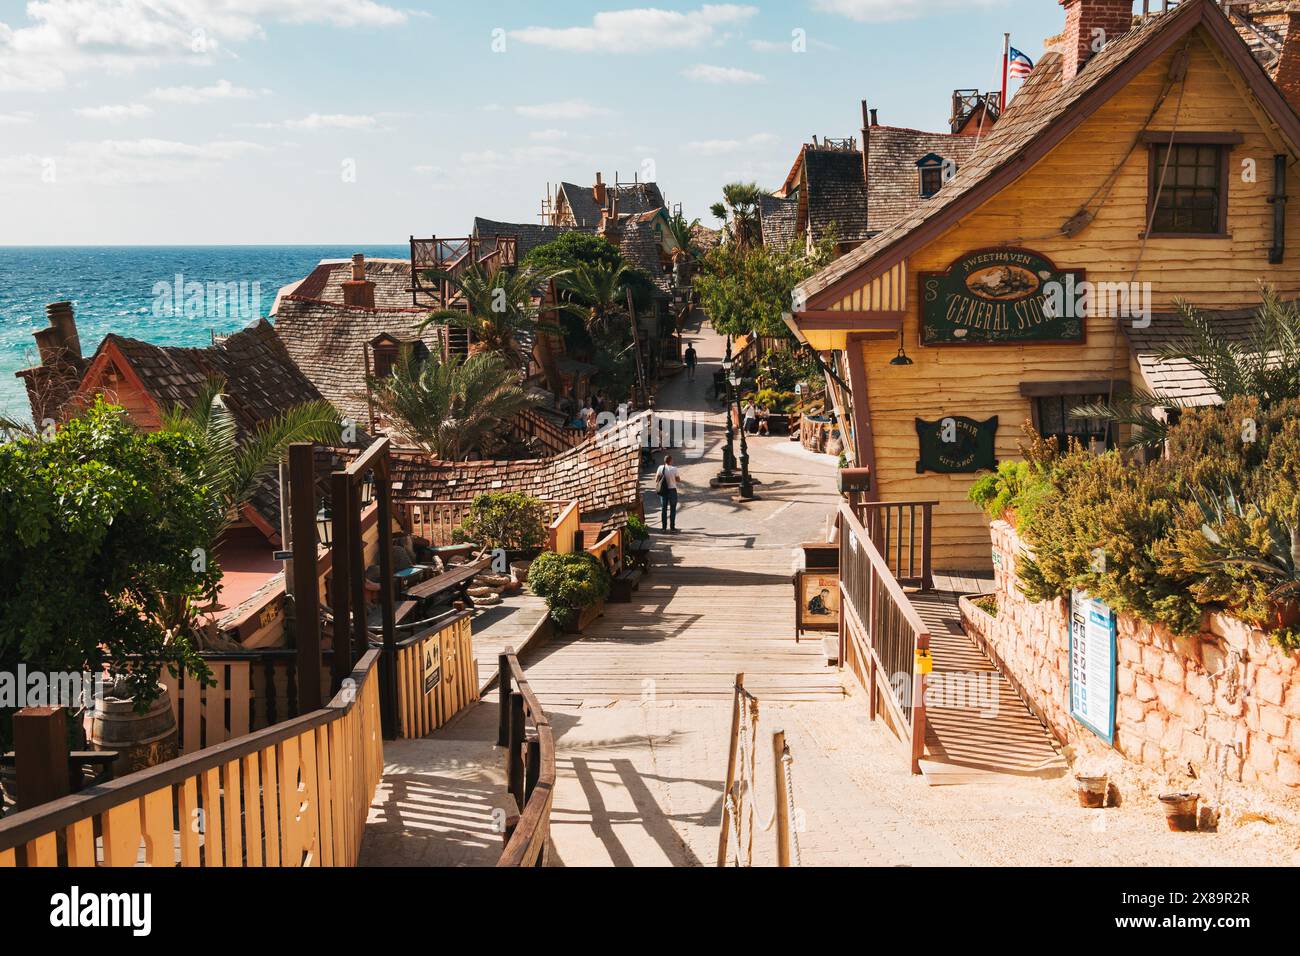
{"x": 1158, "y": 160}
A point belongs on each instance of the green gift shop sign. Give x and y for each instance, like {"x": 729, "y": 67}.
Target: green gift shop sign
{"x": 995, "y": 296}
{"x": 956, "y": 444}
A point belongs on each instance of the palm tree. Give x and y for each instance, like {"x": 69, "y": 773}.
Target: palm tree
{"x": 499, "y": 302}
{"x": 740, "y": 200}
{"x": 1263, "y": 363}
{"x": 597, "y": 291}
{"x": 683, "y": 231}
{"x": 228, "y": 469}
{"x": 449, "y": 407}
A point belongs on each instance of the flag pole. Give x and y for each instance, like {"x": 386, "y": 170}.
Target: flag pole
{"x": 1006, "y": 55}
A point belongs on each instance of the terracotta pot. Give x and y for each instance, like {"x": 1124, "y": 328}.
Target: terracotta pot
{"x": 1180, "y": 811}
{"x": 1091, "y": 790}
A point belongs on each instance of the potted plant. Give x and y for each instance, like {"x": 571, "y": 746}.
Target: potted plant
{"x": 574, "y": 586}
{"x": 510, "y": 520}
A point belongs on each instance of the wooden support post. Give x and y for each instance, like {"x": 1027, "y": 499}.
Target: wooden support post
{"x": 918, "y": 704}
{"x": 356, "y": 561}
{"x": 306, "y": 593}
{"x": 504, "y": 682}
{"x": 532, "y": 768}
{"x": 515, "y": 751}
{"x": 779, "y": 796}
{"x": 388, "y": 665}
{"x": 340, "y": 596}
{"x": 731, "y": 767}
{"x": 927, "y": 568}
{"x": 40, "y": 755}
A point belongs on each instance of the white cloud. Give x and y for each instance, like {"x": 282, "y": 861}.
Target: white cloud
{"x": 704, "y": 73}
{"x": 722, "y": 147}
{"x": 191, "y": 95}
{"x": 563, "y": 110}
{"x": 115, "y": 162}
{"x": 114, "y": 113}
{"x": 882, "y": 11}
{"x": 315, "y": 121}
{"x": 639, "y": 31}
{"x": 16, "y": 119}
{"x": 64, "y": 37}
{"x": 548, "y": 135}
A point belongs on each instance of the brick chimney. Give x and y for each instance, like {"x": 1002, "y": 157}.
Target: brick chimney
{"x": 1089, "y": 24}
{"x": 598, "y": 191}
{"x": 52, "y": 383}
{"x": 359, "y": 291}
{"x": 1288, "y": 68}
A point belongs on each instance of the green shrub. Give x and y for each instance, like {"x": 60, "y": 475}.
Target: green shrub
{"x": 568, "y": 582}
{"x": 505, "y": 519}
{"x": 636, "y": 527}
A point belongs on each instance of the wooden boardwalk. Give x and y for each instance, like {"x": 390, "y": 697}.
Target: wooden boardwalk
{"x": 984, "y": 727}
{"x": 697, "y": 620}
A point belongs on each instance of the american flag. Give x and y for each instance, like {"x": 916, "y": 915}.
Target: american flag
{"x": 1019, "y": 65}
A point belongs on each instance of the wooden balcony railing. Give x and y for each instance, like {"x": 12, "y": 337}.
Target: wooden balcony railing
{"x": 883, "y": 641}
{"x": 453, "y": 256}
{"x": 436, "y": 520}
{"x": 295, "y": 794}
{"x": 900, "y": 530}
{"x": 525, "y": 731}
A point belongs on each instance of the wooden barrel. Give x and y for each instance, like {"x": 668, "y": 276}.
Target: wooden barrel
{"x": 142, "y": 740}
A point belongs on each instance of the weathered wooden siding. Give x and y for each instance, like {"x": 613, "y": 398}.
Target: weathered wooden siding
{"x": 980, "y": 381}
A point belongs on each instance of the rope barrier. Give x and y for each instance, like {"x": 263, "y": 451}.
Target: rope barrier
{"x": 740, "y": 803}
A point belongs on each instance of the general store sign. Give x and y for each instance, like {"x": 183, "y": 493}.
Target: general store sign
{"x": 1000, "y": 296}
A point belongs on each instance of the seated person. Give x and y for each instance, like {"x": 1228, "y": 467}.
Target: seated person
{"x": 763, "y": 414}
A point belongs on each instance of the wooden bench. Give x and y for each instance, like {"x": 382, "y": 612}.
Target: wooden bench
{"x": 639, "y": 553}
{"x": 455, "y": 580}
{"x": 624, "y": 583}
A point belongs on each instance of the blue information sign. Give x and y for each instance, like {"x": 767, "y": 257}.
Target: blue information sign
{"x": 1092, "y": 665}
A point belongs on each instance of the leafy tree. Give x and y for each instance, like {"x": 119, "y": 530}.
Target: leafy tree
{"x": 505, "y": 519}
{"x": 739, "y": 210}
{"x": 571, "y": 250}
{"x": 451, "y": 407}
{"x": 746, "y": 290}
{"x": 683, "y": 232}
{"x": 98, "y": 523}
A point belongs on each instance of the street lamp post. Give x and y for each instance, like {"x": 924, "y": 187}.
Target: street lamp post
{"x": 728, "y": 473}
{"x": 746, "y": 483}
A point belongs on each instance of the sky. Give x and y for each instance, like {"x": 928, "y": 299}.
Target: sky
{"x": 367, "y": 121}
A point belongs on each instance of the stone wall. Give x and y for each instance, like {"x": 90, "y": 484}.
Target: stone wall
{"x": 1224, "y": 701}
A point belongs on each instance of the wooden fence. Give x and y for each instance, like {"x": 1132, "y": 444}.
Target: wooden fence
{"x": 437, "y": 676}
{"x": 436, "y": 520}
{"x": 901, "y": 532}
{"x": 525, "y": 732}
{"x": 564, "y": 528}
{"x": 883, "y": 640}
{"x": 295, "y": 794}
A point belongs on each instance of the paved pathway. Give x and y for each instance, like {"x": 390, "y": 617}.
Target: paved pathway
{"x": 641, "y": 708}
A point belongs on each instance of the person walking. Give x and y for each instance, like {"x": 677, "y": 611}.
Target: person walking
{"x": 691, "y": 358}
{"x": 666, "y": 489}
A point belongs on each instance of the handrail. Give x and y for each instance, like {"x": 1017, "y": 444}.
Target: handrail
{"x": 29, "y": 825}
{"x": 885, "y": 525}
{"x": 530, "y": 766}
{"x": 882, "y": 637}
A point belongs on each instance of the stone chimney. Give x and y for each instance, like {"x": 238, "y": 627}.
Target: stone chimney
{"x": 52, "y": 383}
{"x": 359, "y": 291}
{"x": 1089, "y": 25}
{"x": 1288, "y": 67}
{"x": 598, "y": 191}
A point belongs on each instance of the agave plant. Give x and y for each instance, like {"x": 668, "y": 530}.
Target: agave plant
{"x": 450, "y": 407}
{"x": 1244, "y": 543}
{"x": 1264, "y": 363}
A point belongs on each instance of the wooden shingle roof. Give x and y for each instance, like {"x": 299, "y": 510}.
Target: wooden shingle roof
{"x": 837, "y": 194}
{"x": 1176, "y": 378}
{"x": 779, "y": 221}
{"x": 894, "y": 187}
{"x": 392, "y": 279}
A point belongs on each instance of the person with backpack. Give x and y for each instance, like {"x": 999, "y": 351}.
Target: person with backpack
{"x": 666, "y": 489}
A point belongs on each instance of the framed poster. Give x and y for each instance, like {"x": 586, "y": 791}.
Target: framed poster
{"x": 817, "y": 594}
{"x": 432, "y": 664}
{"x": 996, "y": 296}
{"x": 1092, "y": 665}
{"x": 956, "y": 444}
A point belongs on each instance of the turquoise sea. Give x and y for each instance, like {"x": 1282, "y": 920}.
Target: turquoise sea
{"x": 131, "y": 290}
